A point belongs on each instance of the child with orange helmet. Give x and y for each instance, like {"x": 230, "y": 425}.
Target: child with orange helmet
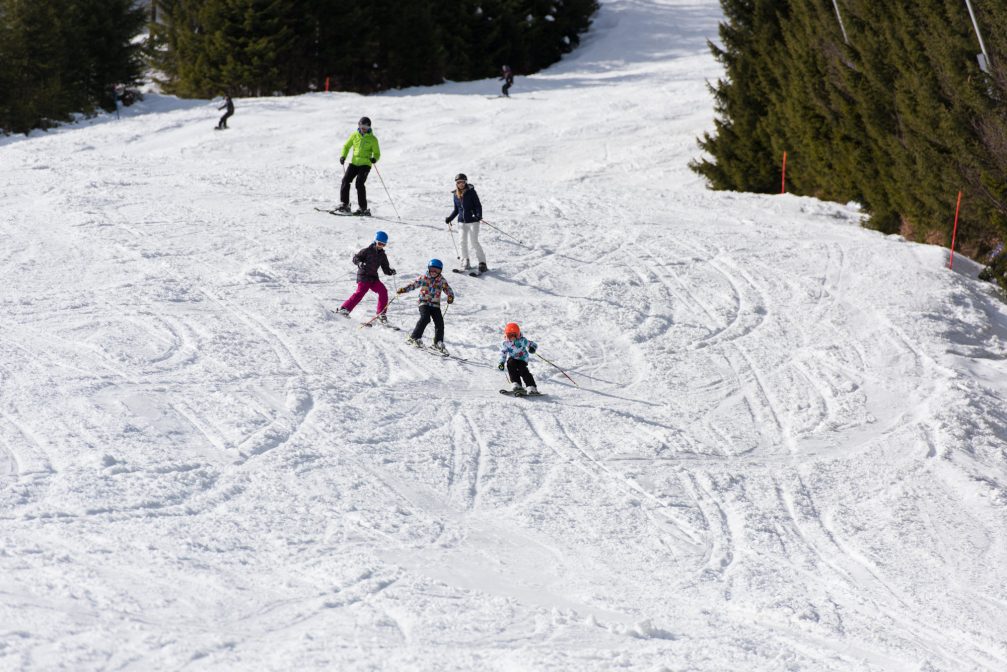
{"x": 514, "y": 352}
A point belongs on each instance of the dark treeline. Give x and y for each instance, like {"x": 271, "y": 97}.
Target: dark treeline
{"x": 899, "y": 118}
{"x": 58, "y": 57}
{"x": 262, "y": 47}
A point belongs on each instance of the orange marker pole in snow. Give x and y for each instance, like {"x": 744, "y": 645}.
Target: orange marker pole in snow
{"x": 326, "y": 85}
{"x": 783, "y": 183}
{"x": 954, "y": 234}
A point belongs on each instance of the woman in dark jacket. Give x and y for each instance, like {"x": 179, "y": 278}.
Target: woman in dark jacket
{"x": 469, "y": 211}
{"x": 367, "y": 261}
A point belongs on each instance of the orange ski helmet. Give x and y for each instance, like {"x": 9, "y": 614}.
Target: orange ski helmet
{"x": 512, "y": 329}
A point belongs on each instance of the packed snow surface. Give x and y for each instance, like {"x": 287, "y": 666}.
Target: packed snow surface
{"x": 785, "y": 448}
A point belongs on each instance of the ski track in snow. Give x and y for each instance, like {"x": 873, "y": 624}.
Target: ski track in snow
{"x": 786, "y": 450}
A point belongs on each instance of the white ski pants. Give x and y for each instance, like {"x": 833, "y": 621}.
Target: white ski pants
{"x": 470, "y": 231}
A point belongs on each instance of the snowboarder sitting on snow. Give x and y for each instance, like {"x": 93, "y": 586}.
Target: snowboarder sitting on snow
{"x": 515, "y": 351}
{"x": 431, "y": 284}
{"x": 367, "y": 261}
{"x": 508, "y": 77}
{"x": 365, "y": 153}
{"x": 469, "y": 211}
{"x": 229, "y": 104}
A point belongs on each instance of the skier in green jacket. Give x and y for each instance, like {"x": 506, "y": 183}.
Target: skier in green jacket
{"x": 365, "y": 153}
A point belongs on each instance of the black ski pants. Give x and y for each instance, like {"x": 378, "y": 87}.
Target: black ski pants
{"x": 427, "y": 313}
{"x": 517, "y": 371}
{"x": 223, "y": 120}
{"x": 360, "y": 173}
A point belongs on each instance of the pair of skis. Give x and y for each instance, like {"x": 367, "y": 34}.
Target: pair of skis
{"x": 444, "y": 354}
{"x": 475, "y": 273}
{"x": 512, "y": 393}
{"x": 343, "y": 213}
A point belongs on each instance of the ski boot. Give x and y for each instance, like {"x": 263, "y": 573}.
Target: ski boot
{"x": 343, "y": 207}
{"x": 482, "y": 267}
{"x": 466, "y": 265}
{"x": 439, "y": 347}
{"x": 362, "y": 212}
{"x": 533, "y": 391}
{"x": 343, "y": 312}
{"x": 415, "y": 342}
{"x": 519, "y": 390}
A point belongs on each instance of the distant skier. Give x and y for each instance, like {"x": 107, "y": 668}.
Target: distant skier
{"x": 431, "y": 284}
{"x": 365, "y": 153}
{"x": 469, "y": 211}
{"x": 508, "y": 77}
{"x": 229, "y": 105}
{"x": 367, "y": 261}
{"x": 514, "y": 352}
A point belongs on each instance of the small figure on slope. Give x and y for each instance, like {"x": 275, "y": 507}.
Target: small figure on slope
{"x": 366, "y": 152}
{"x": 514, "y": 351}
{"x": 469, "y": 211}
{"x": 431, "y": 284}
{"x": 508, "y": 77}
{"x": 367, "y": 261}
{"x": 229, "y": 105}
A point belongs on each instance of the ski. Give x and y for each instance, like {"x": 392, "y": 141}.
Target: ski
{"x": 512, "y": 393}
{"x": 437, "y": 353}
{"x": 381, "y": 324}
{"x": 340, "y": 213}
{"x": 474, "y": 273}
{"x": 333, "y": 314}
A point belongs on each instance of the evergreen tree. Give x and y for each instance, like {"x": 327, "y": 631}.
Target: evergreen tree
{"x": 33, "y": 46}
{"x": 742, "y": 150}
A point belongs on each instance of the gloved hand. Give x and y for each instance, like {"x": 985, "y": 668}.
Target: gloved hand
{"x": 400, "y": 290}
{"x": 532, "y": 349}
{"x": 391, "y": 272}
{"x": 500, "y": 366}
{"x": 447, "y": 220}
{"x": 342, "y": 160}
{"x": 451, "y": 299}
{"x": 373, "y": 160}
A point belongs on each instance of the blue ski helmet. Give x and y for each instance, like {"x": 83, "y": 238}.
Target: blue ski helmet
{"x": 435, "y": 263}
{"x": 381, "y": 237}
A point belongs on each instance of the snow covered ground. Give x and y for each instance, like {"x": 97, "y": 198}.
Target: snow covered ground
{"x": 786, "y": 450}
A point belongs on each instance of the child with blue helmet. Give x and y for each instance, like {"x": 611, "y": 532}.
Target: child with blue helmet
{"x": 368, "y": 261}
{"x": 430, "y": 284}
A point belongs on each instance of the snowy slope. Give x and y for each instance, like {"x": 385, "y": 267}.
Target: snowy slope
{"x": 787, "y": 450}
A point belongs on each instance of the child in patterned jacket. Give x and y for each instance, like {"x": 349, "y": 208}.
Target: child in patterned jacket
{"x": 431, "y": 284}
{"x": 514, "y": 352}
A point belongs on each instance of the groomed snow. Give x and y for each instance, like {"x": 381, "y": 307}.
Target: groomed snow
{"x": 786, "y": 450}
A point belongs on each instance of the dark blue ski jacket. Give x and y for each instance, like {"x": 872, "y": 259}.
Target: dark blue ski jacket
{"x": 467, "y": 208}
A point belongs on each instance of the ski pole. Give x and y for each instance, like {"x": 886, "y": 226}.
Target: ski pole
{"x": 368, "y": 322}
{"x": 492, "y": 226}
{"x": 557, "y": 368}
{"x": 451, "y": 231}
{"x": 386, "y": 191}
